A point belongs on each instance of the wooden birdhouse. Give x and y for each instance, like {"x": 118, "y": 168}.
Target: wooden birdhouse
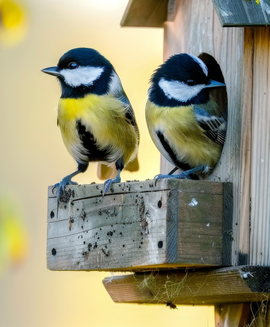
{"x": 220, "y": 226}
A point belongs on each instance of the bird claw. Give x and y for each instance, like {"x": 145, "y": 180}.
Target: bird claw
{"x": 109, "y": 182}
{"x": 179, "y": 176}
{"x": 107, "y": 185}
{"x": 61, "y": 187}
{"x": 185, "y": 174}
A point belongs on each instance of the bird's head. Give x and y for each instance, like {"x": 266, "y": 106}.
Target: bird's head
{"x": 182, "y": 79}
{"x": 82, "y": 71}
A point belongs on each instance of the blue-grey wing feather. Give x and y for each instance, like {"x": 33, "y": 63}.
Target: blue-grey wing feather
{"x": 214, "y": 127}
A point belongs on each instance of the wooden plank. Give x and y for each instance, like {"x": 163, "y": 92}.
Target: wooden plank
{"x": 150, "y": 13}
{"x": 246, "y": 148}
{"x": 196, "y": 30}
{"x": 202, "y": 287}
{"x": 140, "y": 225}
{"x": 243, "y": 13}
{"x": 260, "y": 176}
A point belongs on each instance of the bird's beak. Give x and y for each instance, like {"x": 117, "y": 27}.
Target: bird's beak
{"x": 213, "y": 83}
{"x": 51, "y": 71}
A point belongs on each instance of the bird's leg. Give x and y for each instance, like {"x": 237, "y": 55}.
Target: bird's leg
{"x": 119, "y": 166}
{"x": 172, "y": 171}
{"x": 185, "y": 174}
{"x": 67, "y": 179}
{"x": 108, "y": 182}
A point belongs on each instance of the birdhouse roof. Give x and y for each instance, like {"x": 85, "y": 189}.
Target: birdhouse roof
{"x": 153, "y": 13}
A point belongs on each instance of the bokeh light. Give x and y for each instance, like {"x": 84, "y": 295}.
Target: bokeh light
{"x": 13, "y": 235}
{"x": 13, "y": 22}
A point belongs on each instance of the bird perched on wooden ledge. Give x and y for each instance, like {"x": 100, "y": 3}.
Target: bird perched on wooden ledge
{"x": 183, "y": 119}
{"x": 95, "y": 117}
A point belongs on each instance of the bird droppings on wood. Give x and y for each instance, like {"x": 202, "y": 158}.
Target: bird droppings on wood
{"x": 71, "y": 221}
{"x": 160, "y": 244}
{"x": 85, "y": 255}
{"x": 193, "y": 202}
{"x": 66, "y": 194}
{"x": 139, "y": 219}
{"x": 105, "y": 251}
{"x": 83, "y": 214}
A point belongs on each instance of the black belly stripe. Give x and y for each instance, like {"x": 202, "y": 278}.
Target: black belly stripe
{"x": 168, "y": 149}
{"x": 90, "y": 144}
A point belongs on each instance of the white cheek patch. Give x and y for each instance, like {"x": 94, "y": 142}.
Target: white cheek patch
{"x": 201, "y": 63}
{"x": 81, "y": 75}
{"x": 179, "y": 91}
{"x": 115, "y": 84}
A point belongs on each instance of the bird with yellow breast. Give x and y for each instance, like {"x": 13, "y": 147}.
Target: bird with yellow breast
{"x": 184, "y": 121}
{"x": 95, "y": 117}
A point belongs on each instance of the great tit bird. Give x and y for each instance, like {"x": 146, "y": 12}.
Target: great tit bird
{"x": 184, "y": 121}
{"x": 95, "y": 117}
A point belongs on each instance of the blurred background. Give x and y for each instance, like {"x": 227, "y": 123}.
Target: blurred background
{"x": 33, "y": 35}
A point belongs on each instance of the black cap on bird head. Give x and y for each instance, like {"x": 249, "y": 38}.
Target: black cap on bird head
{"x": 183, "y": 67}
{"x": 181, "y": 80}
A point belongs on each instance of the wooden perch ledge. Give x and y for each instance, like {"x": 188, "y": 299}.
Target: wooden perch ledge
{"x": 140, "y": 226}
{"x": 202, "y": 287}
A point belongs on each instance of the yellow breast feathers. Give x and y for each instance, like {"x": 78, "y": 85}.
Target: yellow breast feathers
{"x": 183, "y": 133}
{"x": 104, "y": 117}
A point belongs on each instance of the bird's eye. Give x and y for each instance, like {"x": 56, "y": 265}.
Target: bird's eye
{"x": 190, "y": 82}
{"x": 72, "y": 65}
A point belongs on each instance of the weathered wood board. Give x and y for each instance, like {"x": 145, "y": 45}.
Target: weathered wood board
{"x": 232, "y": 13}
{"x": 243, "y": 13}
{"x": 140, "y": 226}
{"x": 203, "y": 287}
{"x": 152, "y": 13}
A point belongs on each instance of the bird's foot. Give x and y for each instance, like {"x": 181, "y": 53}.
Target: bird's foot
{"x": 109, "y": 182}
{"x": 185, "y": 174}
{"x": 61, "y": 186}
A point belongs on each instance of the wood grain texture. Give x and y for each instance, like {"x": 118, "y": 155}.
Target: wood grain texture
{"x": 243, "y": 13}
{"x": 260, "y": 175}
{"x": 226, "y": 285}
{"x": 197, "y": 29}
{"x": 150, "y": 13}
{"x": 140, "y": 226}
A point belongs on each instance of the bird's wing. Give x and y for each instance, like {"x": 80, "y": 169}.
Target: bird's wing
{"x": 117, "y": 91}
{"x": 128, "y": 111}
{"x": 214, "y": 127}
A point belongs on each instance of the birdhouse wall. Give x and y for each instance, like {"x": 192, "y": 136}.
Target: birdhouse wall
{"x": 260, "y": 151}
{"x": 245, "y": 157}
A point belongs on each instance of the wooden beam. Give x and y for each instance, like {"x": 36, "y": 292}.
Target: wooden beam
{"x": 141, "y": 13}
{"x": 202, "y": 287}
{"x": 140, "y": 225}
